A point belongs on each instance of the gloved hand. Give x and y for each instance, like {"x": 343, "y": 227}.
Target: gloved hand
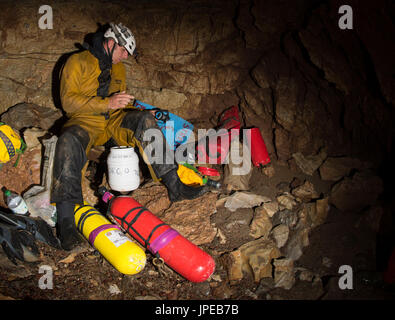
{"x": 18, "y": 244}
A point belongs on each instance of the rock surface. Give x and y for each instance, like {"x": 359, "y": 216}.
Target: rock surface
{"x": 261, "y": 224}
{"x": 288, "y": 75}
{"x": 191, "y": 218}
{"x": 26, "y": 115}
{"x": 252, "y": 258}
{"x": 305, "y": 192}
{"x": 244, "y": 200}
{"x": 357, "y": 192}
{"x": 334, "y": 169}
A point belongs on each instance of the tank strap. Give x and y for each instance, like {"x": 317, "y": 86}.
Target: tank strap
{"x": 163, "y": 239}
{"x": 99, "y": 229}
{"x": 152, "y": 232}
{"x": 122, "y": 221}
{"x": 129, "y": 225}
{"x": 84, "y": 216}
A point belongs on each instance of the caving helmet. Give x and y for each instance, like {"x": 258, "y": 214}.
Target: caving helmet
{"x": 122, "y": 36}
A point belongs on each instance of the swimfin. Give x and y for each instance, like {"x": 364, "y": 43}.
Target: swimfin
{"x": 36, "y": 226}
{"x": 18, "y": 244}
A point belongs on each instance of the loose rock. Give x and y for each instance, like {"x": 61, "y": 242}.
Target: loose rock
{"x": 26, "y": 115}
{"x": 271, "y": 208}
{"x": 252, "y": 258}
{"x": 334, "y": 169}
{"x": 298, "y": 239}
{"x": 269, "y": 171}
{"x": 305, "y": 192}
{"x": 309, "y": 164}
{"x": 287, "y": 217}
{"x": 321, "y": 212}
{"x": 232, "y": 177}
{"x": 113, "y": 289}
{"x": 284, "y": 275}
{"x": 244, "y": 200}
{"x": 353, "y": 194}
{"x": 261, "y": 224}
{"x": 305, "y": 274}
{"x": 286, "y": 201}
{"x": 280, "y": 235}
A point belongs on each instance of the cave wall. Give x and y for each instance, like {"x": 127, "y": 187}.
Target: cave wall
{"x": 292, "y": 71}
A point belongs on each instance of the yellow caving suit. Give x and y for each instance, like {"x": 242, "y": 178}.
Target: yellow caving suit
{"x": 78, "y": 91}
{"x": 91, "y": 123}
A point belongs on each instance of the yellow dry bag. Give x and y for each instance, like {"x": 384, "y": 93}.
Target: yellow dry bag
{"x": 189, "y": 176}
{"x": 10, "y": 144}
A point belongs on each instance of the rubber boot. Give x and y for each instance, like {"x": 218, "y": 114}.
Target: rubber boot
{"x": 66, "y": 230}
{"x": 179, "y": 191}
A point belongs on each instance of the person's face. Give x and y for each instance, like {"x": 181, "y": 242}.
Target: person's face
{"x": 119, "y": 53}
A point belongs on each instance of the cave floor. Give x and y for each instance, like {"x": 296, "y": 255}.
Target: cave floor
{"x": 83, "y": 274}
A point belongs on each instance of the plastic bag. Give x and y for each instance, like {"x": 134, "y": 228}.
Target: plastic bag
{"x": 232, "y": 179}
{"x": 38, "y": 197}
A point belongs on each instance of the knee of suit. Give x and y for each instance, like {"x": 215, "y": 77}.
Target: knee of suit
{"x": 70, "y": 158}
{"x": 73, "y": 138}
{"x": 139, "y": 121}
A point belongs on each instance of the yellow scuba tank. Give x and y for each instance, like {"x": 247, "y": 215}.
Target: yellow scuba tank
{"x": 125, "y": 255}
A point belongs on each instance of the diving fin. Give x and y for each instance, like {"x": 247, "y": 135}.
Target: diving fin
{"x": 18, "y": 244}
{"x": 36, "y": 226}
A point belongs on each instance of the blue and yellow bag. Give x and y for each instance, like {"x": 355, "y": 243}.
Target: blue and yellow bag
{"x": 10, "y": 144}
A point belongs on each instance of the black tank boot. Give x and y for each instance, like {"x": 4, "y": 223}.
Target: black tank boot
{"x": 66, "y": 230}
{"x": 69, "y": 160}
{"x": 179, "y": 191}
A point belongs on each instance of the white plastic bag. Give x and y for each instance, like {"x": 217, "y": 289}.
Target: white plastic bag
{"x": 38, "y": 197}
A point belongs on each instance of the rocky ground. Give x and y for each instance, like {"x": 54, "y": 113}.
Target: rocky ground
{"x": 253, "y": 261}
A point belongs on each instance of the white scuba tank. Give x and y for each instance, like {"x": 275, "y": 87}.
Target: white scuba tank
{"x": 123, "y": 169}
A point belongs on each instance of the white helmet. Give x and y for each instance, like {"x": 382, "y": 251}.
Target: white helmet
{"x": 122, "y": 36}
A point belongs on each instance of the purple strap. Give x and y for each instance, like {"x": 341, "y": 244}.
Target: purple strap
{"x": 163, "y": 240}
{"x": 94, "y": 233}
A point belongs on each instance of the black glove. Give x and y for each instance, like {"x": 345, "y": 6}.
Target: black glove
{"x": 18, "y": 244}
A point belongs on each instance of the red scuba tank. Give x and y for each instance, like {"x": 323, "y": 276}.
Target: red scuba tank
{"x": 177, "y": 252}
{"x": 215, "y": 149}
{"x": 259, "y": 154}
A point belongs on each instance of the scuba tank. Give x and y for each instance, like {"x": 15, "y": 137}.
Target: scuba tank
{"x": 259, "y": 154}
{"x": 160, "y": 239}
{"x": 125, "y": 255}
